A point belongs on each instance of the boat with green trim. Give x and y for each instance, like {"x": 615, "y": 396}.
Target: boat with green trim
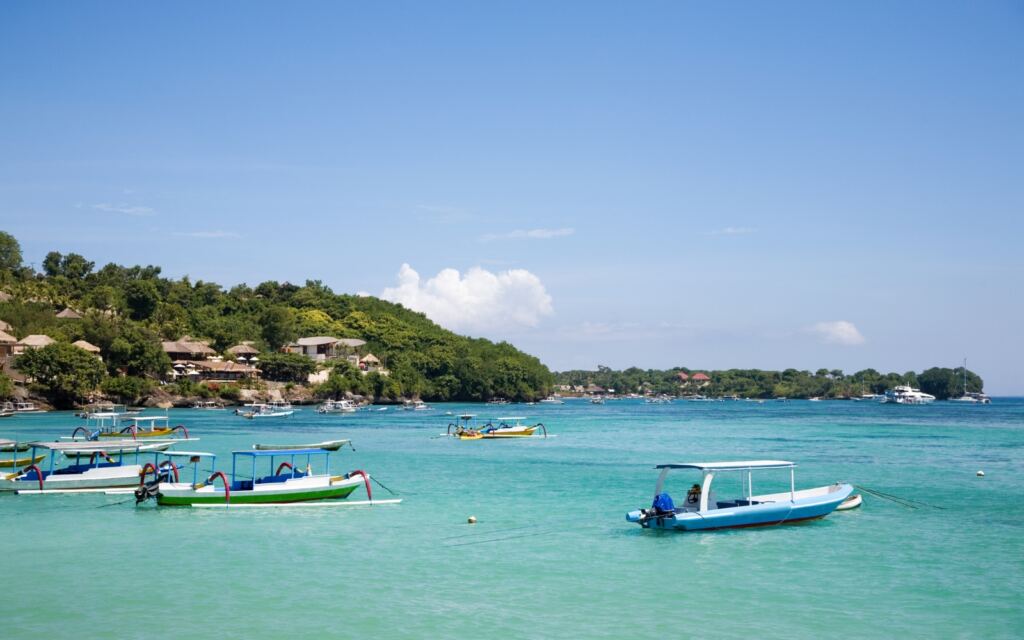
{"x": 290, "y": 478}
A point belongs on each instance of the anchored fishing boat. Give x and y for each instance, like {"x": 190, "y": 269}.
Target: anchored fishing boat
{"x": 259, "y": 410}
{"x": 508, "y": 427}
{"x": 336, "y": 406}
{"x": 329, "y": 445}
{"x": 108, "y": 425}
{"x": 93, "y": 466}
{"x": 14, "y": 448}
{"x": 208, "y": 405}
{"x": 701, "y": 509}
{"x": 288, "y": 481}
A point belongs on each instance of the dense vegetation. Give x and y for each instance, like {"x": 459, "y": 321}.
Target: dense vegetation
{"x": 754, "y": 383}
{"x": 128, "y": 310}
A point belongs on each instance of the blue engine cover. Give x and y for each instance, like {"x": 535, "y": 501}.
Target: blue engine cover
{"x": 663, "y": 504}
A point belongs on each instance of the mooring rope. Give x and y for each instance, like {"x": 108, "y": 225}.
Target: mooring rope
{"x": 906, "y": 502}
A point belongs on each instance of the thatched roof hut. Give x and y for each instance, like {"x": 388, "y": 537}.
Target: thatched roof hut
{"x": 36, "y": 340}
{"x": 6, "y": 338}
{"x": 243, "y": 349}
{"x": 69, "y": 314}
{"x": 369, "y": 359}
{"x": 86, "y": 346}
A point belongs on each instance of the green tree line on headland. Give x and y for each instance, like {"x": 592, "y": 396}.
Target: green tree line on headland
{"x": 941, "y": 382}
{"x": 127, "y": 311}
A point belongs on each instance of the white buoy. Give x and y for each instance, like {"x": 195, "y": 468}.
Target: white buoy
{"x": 980, "y": 474}
{"x": 471, "y": 520}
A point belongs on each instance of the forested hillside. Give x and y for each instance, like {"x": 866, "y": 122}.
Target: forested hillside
{"x": 127, "y": 311}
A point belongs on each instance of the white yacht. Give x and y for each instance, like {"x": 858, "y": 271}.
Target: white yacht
{"x": 336, "y": 406}
{"x": 904, "y": 394}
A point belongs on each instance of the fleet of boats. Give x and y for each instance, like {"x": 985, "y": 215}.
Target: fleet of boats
{"x": 120, "y": 451}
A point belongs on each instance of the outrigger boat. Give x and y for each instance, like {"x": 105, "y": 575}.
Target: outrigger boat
{"x": 14, "y": 448}
{"x": 329, "y": 445}
{"x": 508, "y": 427}
{"x": 702, "y": 511}
{"x": 287, "y": 482}
{"x": 138, "y": 427}
{"x": 94, "y": 466}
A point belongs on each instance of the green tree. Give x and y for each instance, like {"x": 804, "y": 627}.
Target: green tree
{"x": 278, "y": 326}
{"x": 141, "y": 297}
{"x": 127, "y": 389}
{"x": 286, "y": 367}
{"x": 6, "y": 386}
{"x": 10, "y": 252}
{"x": 67, "y": 372}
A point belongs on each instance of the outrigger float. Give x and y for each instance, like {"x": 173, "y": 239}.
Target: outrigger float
{"x": 702, "y": 511}
{"x": 108, "y": 425}
{"x": 507, "y": 427}
{"x": 94, "y": 466}
{"x": 287, "y": 483}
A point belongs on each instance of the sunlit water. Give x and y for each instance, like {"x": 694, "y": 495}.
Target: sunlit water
{"x": 551, "y": 555}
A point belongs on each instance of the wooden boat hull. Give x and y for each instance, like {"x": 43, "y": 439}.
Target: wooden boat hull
{"x": 147, "y": 433}
{"x": 852, "y": 502}
{"x": 102, "y": 477}
{"x": 516, "y": 433}
{"x": 295, "y": 490}
{"x": 20, "y": 463}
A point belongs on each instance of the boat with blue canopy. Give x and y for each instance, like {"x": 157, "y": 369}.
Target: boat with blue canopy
{"x": 289, "y": 478}
{"x": 94, "y": 466}
{"x": 702, "y": 510}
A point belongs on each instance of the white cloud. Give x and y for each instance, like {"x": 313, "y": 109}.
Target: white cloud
{"x": 732, "y": 231}
{"x": 837, "y": 332}
{"x": 478, "y": 301}
{"x": 207, "y": 234}
{"x": 531, "y": 234}
{"x": 125, "y": 209}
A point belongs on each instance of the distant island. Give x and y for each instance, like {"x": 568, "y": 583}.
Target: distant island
{"x": 943, "y": 383}
{"x": 73, "y": 334}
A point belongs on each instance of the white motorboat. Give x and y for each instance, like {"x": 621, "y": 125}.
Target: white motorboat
{"x": 905, "y": 394}
{"x": 336, "y": 406}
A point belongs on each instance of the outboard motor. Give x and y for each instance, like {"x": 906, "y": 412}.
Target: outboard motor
{"x": 663, "y": 505}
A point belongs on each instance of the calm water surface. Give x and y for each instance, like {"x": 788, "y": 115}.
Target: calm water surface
{"x": 552, "y": 555}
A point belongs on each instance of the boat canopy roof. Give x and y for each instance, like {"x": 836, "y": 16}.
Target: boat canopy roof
{"x": 148, "y": 418}
{"x": 513, "y": 418}
{"x": 467, "y": 416}
{"x": 730, "y": 466}
{"x": 189, "y": 454}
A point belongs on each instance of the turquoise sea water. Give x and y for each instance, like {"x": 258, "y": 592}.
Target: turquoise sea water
{"x": 552, "y": 555}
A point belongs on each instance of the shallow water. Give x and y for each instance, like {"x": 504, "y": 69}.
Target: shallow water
{"x": 551, "y": 555}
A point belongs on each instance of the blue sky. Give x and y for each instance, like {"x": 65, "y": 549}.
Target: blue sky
{"x": 743, "y": 185}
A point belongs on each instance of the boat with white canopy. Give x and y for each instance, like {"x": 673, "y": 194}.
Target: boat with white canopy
{"x": 291, "y": 479}
{"x": 702, "y": 510}
{"x": 109, "y": 425}
{"x": 94, "y": 465}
